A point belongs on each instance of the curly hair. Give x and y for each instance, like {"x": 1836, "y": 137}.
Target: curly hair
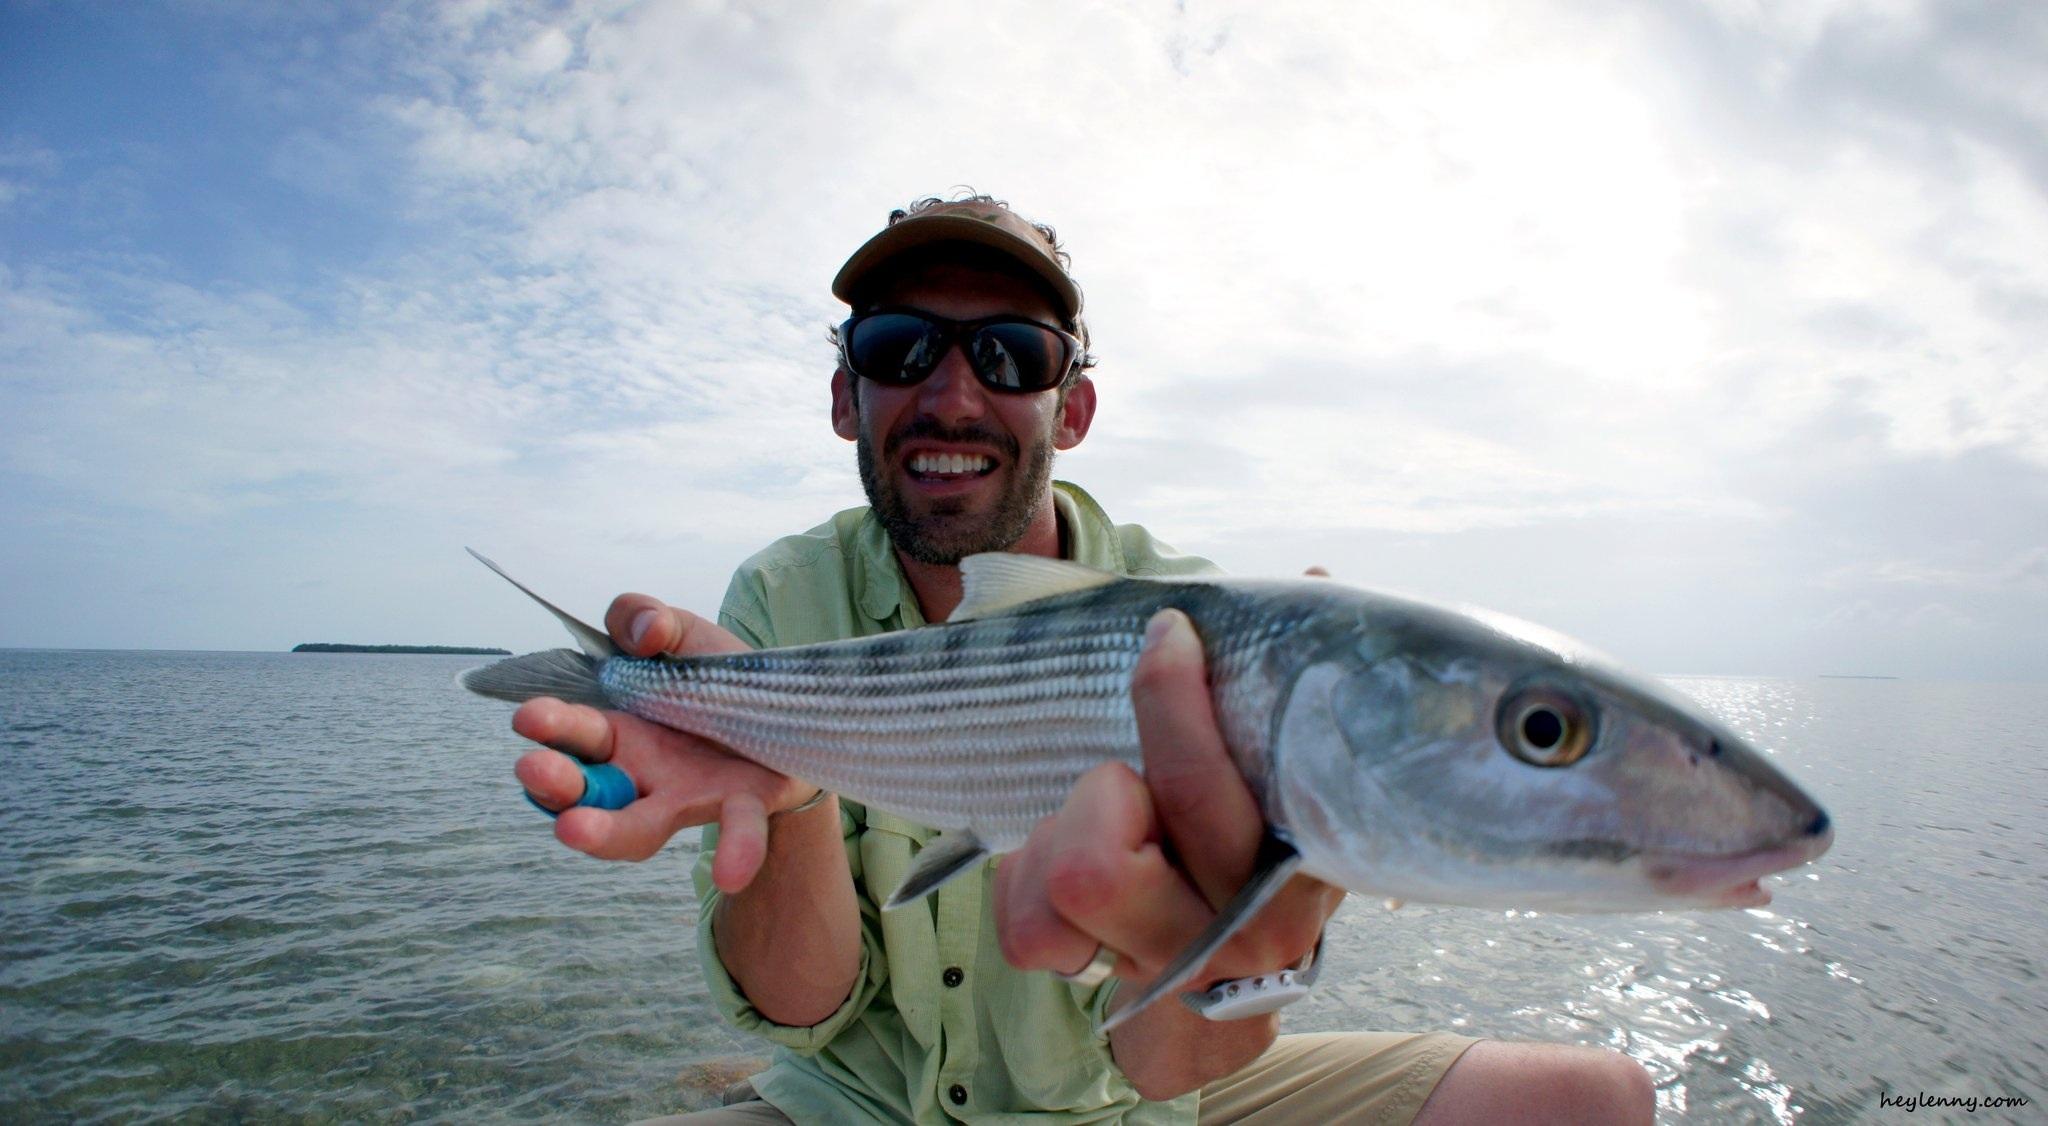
{"x": 1045, "y": 231}
{"x": 1078, "y": 326}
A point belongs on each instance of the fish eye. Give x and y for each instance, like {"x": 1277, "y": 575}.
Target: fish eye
{"x": 1544, "y": 727}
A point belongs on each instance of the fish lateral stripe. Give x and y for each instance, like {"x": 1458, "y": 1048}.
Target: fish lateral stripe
{"x": 1363, "y": 724}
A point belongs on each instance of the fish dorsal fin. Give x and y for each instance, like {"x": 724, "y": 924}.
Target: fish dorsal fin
{"x": 593, "y": 640}
{"x": 995, "y": 581}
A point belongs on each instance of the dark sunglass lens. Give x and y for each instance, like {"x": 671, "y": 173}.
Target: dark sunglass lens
{"x": 893, "y": 348}
{"x": 1019, "y": 357}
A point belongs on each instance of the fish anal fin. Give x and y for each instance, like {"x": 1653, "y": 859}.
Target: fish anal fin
{"x": 994, "y": 581}
{"x": 944, "y": 858}
{"x": 1276, "y": 863}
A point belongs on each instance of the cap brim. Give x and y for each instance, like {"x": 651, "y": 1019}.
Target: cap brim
{"x": 929, "y": 230}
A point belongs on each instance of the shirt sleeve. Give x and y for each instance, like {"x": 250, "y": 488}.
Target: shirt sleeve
{"x": 1097, "y": 1006}
{"x": 1147, "y": 557}
{"x": 744, "y": 612}
{"x": 872, "y": 975}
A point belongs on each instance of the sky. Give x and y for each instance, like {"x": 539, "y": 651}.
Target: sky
{"x": 1710, "y": 333}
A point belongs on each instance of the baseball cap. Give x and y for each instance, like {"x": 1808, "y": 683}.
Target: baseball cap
{"x": 978, "y": 223}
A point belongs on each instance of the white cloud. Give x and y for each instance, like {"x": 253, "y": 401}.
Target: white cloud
{"x": 1433, "y": 271}
{"x": 2026, "y": 570}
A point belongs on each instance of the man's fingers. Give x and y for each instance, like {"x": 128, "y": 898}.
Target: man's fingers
{"x": 552, "y": 778}
{"x": 1133, "y": 902}
{"x": 1105, "y": 817}
{"x": 1203, "y": 804}
{"x": 742, "y": 842}
{"x": 639, "y": 830}
{"x": 607, "y": 834}
{"x": 644, "y": 626}
{"x": 1286, "y": 928}
{"x": 1106, "y": 876}
{"x": 1094, "y": 875}
{"x": 733, "y": 792}
{"x": 572, "y": 729}
{"x": 1032, "y": 935}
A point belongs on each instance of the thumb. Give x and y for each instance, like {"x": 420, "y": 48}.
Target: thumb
{"x": 742, "y": 842}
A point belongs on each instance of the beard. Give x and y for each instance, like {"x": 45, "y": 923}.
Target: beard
{"x": 949, "y": 529}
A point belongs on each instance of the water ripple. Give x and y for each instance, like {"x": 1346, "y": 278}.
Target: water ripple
{"x": 268, "y": 905}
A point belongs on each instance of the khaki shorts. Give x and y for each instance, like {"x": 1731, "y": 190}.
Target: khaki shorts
{"x": 1347, "y": 1077}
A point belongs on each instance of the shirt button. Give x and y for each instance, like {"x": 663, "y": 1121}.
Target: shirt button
{"x": 953, "y": 977}
{"x": 958, "y": 1094}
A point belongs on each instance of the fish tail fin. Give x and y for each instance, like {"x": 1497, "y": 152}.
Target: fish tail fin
{"x": 592, "y": 640}
{"x": 564, "y": 674}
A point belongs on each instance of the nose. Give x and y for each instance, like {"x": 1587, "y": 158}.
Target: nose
{"x": 951, "y": 393}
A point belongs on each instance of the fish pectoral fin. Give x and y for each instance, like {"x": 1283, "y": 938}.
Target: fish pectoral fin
{"x": 949, "y": 855}
{"x": 1277, "y": 861}
{"x": 995, "y": 580}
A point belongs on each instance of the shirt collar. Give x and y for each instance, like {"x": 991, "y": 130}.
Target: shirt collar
{"x": 884, "y": 593}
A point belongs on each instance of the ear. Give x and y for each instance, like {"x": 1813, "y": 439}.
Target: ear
{"x": 845, "y": 410}
{"x": 1075, "y": 415}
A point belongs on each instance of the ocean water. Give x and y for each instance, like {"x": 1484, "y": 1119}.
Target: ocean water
{"x": 278, "y": 887}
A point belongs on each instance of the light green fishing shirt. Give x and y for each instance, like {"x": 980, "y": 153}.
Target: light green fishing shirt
{"x": 938, "y": 1026}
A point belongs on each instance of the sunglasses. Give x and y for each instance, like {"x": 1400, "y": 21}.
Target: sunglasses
{"x": 901, "y": 348}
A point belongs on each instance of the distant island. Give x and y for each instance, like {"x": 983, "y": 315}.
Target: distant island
{"x": 465, "y": 650}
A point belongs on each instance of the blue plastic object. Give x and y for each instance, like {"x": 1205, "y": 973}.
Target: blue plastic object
{"x": 604, "y": 787}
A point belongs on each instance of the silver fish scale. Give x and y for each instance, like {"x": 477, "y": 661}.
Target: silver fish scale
{"x": 983, "y": 735}
{"x": 984, "y": 724}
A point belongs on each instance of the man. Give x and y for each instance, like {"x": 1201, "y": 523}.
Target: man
{"x": 962, "y": 371}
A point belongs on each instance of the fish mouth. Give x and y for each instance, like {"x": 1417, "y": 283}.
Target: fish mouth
{"x": 1732, "y": 881}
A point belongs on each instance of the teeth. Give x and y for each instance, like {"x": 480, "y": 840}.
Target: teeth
{"x": 949, "y": 463}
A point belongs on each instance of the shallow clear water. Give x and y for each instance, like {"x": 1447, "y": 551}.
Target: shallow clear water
{"x": 295, "y": 887}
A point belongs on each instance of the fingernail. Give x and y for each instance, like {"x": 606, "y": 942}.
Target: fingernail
{"x": 1157, "y": 627}
{"x": 642, "y": 622}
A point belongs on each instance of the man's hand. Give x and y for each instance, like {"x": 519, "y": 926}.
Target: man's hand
{"x": 1142, "y": 864}
{"x": 682, "y": 780}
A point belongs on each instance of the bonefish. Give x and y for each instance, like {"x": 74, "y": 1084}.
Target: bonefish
{"x": 1397, "y": 748}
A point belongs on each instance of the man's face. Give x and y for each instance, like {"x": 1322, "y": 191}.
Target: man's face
{"x": 950, "y": 466}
